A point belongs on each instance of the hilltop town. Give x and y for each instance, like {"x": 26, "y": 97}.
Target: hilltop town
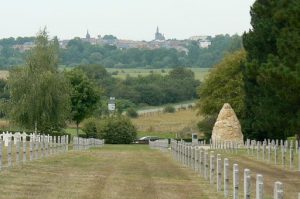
{"x": 159, "y": 41}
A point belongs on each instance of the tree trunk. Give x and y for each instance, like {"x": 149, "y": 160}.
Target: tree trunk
{"x": 35, "y": 127}
{"x": 77, "y": 124}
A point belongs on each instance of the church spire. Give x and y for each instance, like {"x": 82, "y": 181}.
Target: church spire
{"x": 157, "y": 30}
{"x": 88, "y": 36}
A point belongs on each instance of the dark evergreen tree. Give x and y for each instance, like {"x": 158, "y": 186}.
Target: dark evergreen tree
{"x": 272, "y": 71}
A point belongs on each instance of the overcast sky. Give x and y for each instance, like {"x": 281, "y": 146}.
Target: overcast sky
{"x": 127, "y": 19}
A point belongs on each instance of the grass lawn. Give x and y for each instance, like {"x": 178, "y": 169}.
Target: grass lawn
{"x": 73, "y": 131}
{"x": 114, "y": 171}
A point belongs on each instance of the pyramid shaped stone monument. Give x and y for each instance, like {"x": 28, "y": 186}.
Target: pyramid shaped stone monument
{"x": 227, "y": 127}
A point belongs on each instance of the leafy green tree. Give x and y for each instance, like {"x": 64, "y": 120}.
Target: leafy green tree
{"x": 39, "y": 92}
{"x": 224, "y": 84}
{"x": 84, "y": 95}
{"x": 272, "y": 72}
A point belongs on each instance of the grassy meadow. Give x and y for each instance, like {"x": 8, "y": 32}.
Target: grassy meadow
{"x": 167, "y": 124}
{"x": 200, "y": 73}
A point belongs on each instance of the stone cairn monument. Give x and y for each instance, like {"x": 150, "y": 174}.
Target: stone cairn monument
{"x": 227, "y": 127}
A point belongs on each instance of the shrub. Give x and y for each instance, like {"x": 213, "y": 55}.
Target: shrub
{"x": 90, "y": 127}
{"x": 115, "y": 73}
{"x": 169, "y": 109}
{"x": 206, "y": 126}
{"x": 132, "y": 113}
{"x": 116, "y": 130}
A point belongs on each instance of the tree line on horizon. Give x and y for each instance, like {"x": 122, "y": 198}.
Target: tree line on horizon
{"x": 80, "y": 52}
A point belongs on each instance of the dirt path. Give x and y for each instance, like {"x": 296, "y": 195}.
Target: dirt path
{"x": 110, "y": 172}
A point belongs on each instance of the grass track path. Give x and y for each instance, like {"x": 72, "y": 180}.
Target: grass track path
{"x": 115, "y": 171}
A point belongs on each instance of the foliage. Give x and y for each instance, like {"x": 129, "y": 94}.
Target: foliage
{"x": 206, "y": 125}
{"x": 223, "y": 85}
{"x": 116, "y": 130}
{"x": 132, "y": 113}
{"x": 169, "y": 109}
{"x": 84, "y": 95}
{"x": 89, "y": 126}
{"x": 39, "y": 93}
{"x": 272, "y": 71}
{"x": 155, "y": 89}
{"x": 4, "y": 97}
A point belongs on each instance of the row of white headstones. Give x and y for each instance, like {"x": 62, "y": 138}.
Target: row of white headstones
{"x": 20, "y": 147}
{"x": 39, "y": 146}
{"x": 86, "y": 143}
{"x": 278, "y": 152}
{"x": 21, "y": 137}
{"x": 210, "y": 167}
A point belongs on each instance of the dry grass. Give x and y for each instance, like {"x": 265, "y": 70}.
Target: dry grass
{"x": 4, "y": 124}
{"x": 110, "y": 172}
{"x": 168, "y": 122}
{"x": 4, "y": 74}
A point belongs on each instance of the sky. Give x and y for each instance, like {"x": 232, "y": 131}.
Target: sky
{"x": 126, "y": 19}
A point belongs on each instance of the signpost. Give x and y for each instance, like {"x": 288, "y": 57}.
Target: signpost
{"x": 112, "y": 104}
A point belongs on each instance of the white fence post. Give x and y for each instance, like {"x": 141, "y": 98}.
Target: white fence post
{"x": 206, "y": 165}
{"x": 226, "y": 177}
{"x": 9, "y": 160}
{"x": 235, "y": 181}
{"x": 219, "y": 173}
{"x": 259, "y": 187}
{"x": 24, "y": 151}
{"x": 278, "y": 190}
{"x": 247, "y": 183}
{"x": 212, "y": 168}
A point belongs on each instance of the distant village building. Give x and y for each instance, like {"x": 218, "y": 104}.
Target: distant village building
{"x": 24, "y": 47}
{"x": 202, "y": 40}
{"x": 158, "y": 42}
{"x": 89, "y": 39}
{"x": 159, "y": 36}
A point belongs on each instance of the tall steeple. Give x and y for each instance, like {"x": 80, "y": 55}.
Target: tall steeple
{"x": 88, "y": 36}
{"x": 158, "y": 35}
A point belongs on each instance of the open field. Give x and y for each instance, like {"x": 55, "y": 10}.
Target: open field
{"x": 200, "y": 73}
{"x": 115, "y": 171}
{"x": 168, "y": 122}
